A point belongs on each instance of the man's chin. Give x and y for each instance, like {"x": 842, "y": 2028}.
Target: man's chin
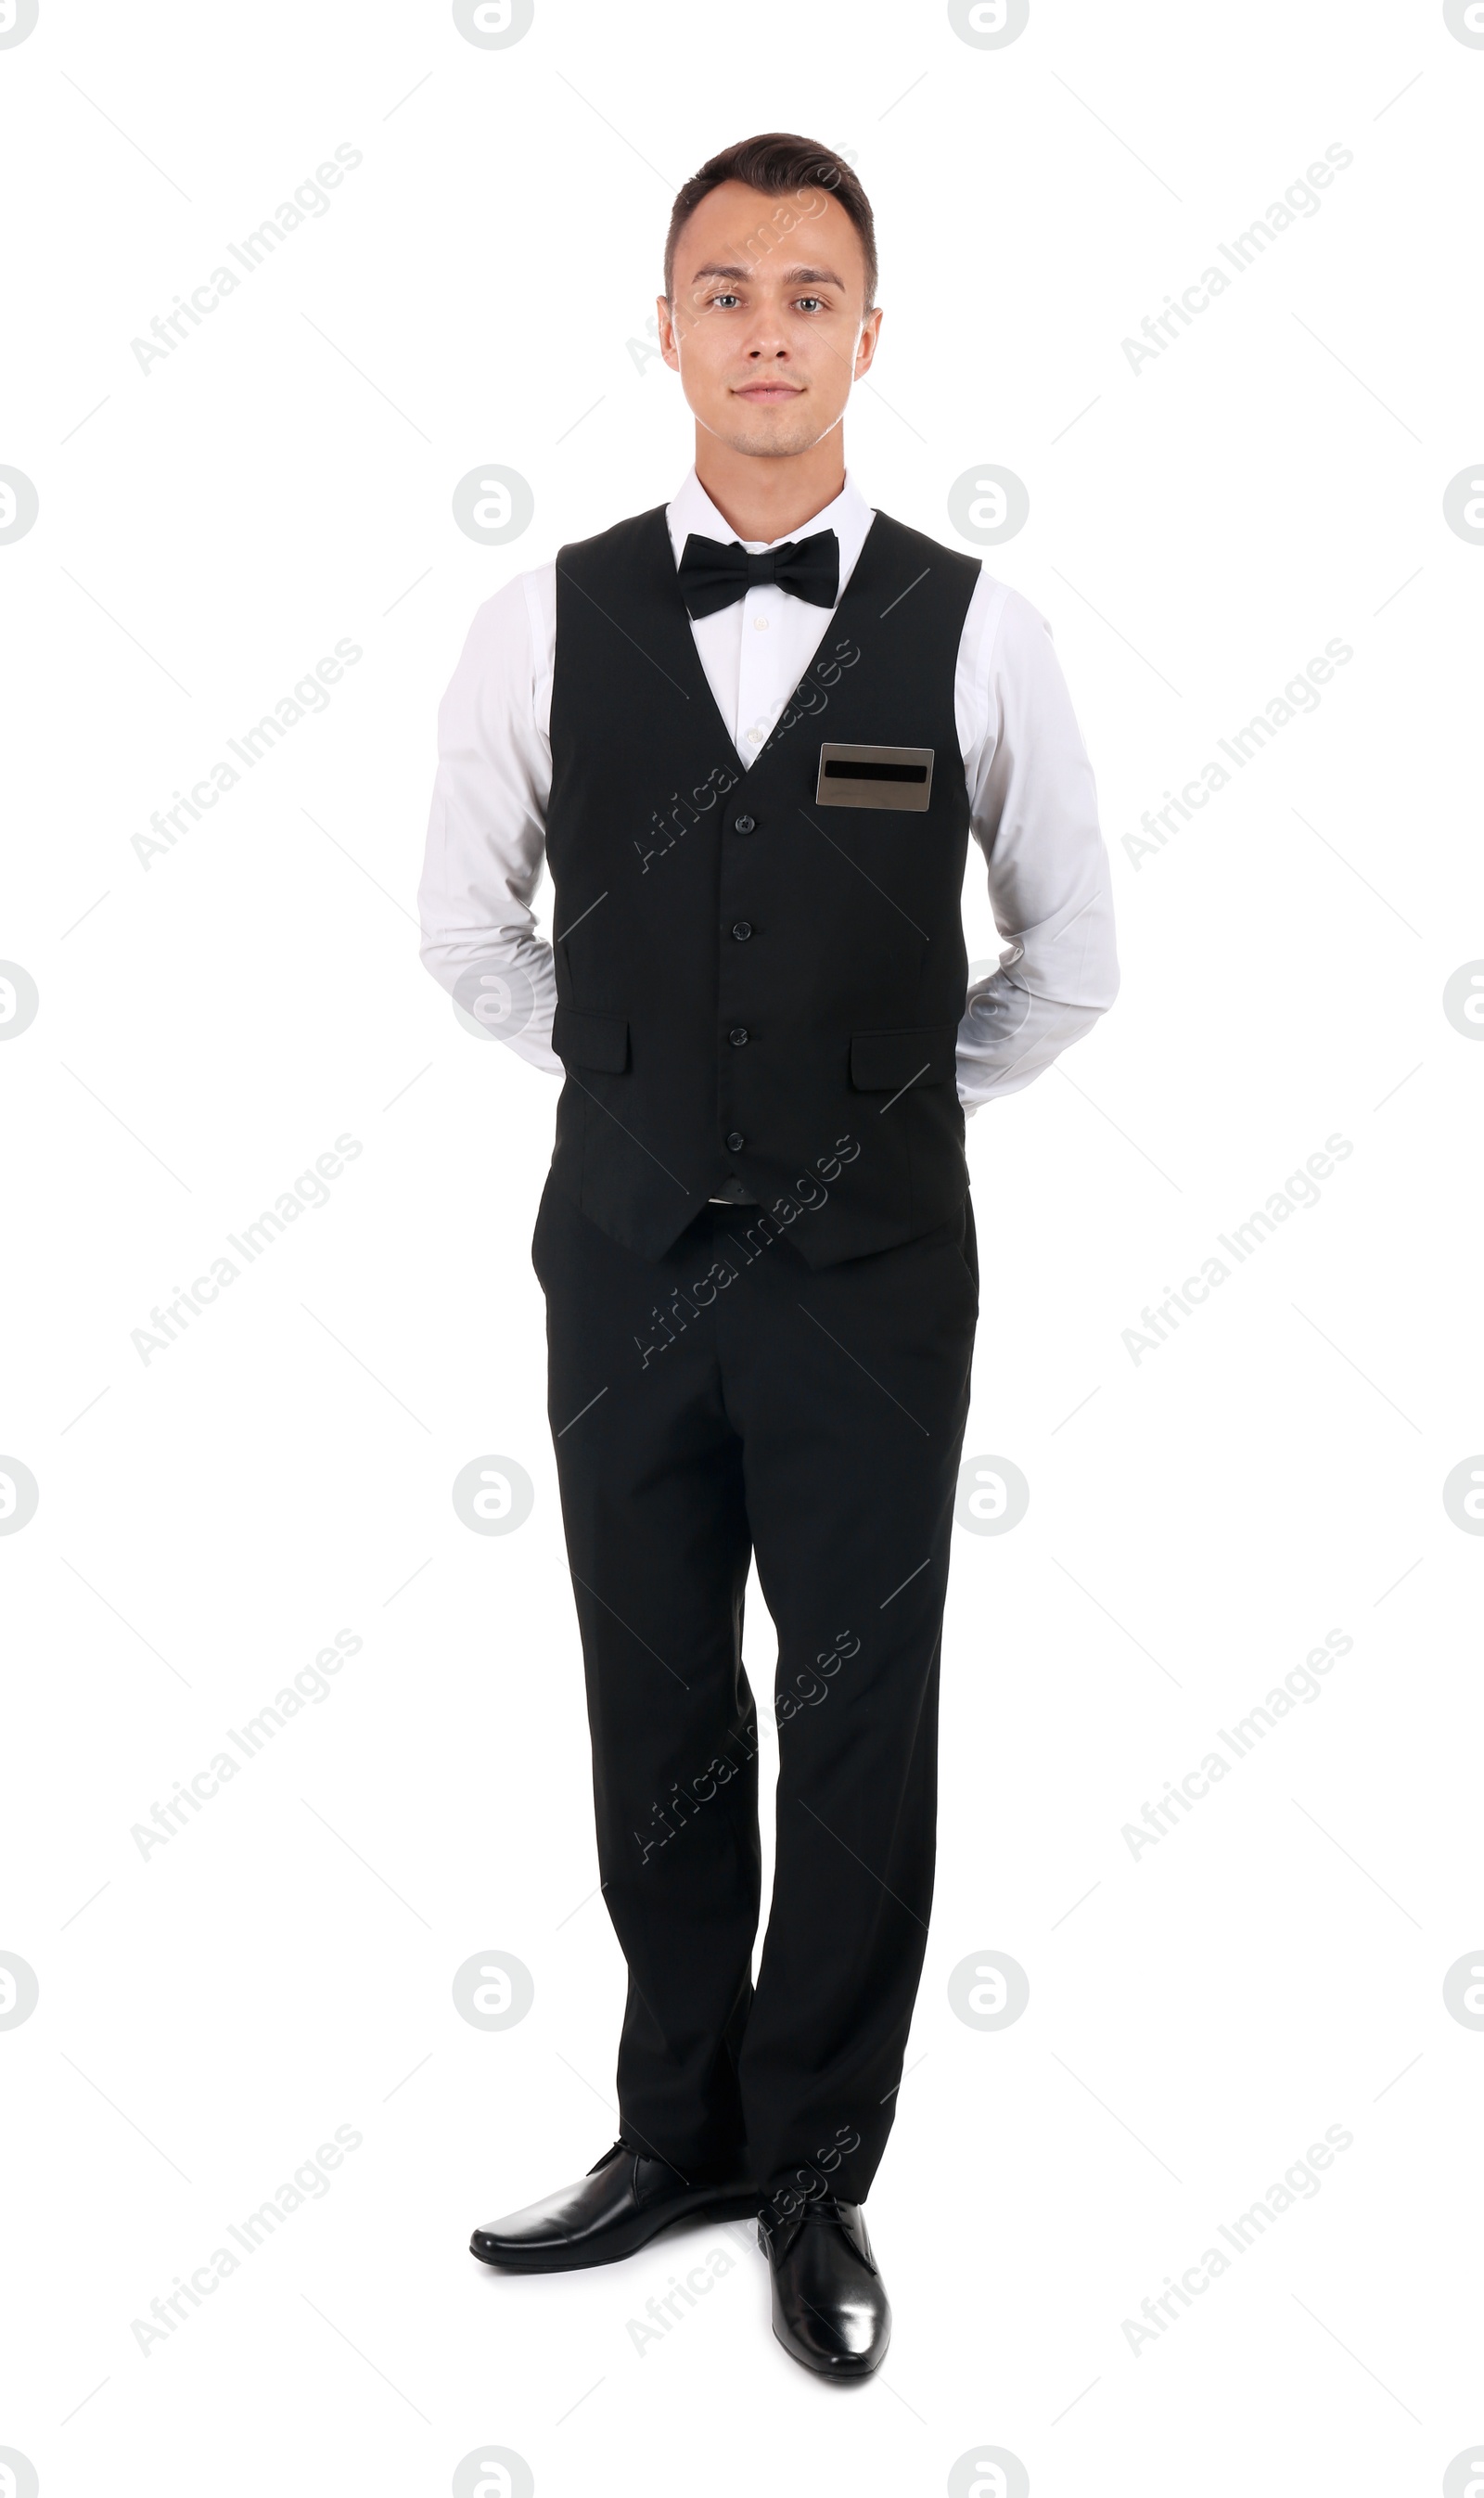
{"x": 776, "y": 433}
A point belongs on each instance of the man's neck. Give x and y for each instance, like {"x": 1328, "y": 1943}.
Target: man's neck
{"x": 763, "y": 500}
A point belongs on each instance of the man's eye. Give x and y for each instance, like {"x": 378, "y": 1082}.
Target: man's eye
{"x": 725, "y": 299}
{"x": 812, "y": 299}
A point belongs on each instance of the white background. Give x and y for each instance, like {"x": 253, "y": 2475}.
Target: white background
{"x": 210, "y": 1024}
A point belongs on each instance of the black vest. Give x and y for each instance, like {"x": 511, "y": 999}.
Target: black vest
{"x": 752, "y": 986}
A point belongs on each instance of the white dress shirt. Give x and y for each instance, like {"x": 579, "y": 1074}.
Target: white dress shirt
{"x": 1033, "y": 802}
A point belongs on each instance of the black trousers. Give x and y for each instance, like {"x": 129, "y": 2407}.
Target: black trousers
{"x": 722, "y": 1402}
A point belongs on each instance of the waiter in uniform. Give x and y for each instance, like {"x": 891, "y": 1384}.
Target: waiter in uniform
{"x": 751, "y": 733}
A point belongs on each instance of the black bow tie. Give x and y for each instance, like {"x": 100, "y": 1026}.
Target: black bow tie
{"x": 712, "y": 575}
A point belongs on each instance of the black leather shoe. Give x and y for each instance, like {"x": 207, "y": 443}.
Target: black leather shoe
{"x": 830, "y": 2307}
{"x": 626, "y": 2200}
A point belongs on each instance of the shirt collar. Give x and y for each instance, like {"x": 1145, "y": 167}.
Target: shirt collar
{"x": 850, "y": 516}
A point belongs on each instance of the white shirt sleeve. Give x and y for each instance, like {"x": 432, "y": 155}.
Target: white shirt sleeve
{"x": 487, "y": 827}
{"x": 1034, "y": 814}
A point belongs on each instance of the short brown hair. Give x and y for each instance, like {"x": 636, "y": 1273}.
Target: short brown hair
{"x": 777, "y": 162}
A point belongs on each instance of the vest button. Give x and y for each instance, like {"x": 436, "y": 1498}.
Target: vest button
{"x": 741, "y": 928}
{"x": 737, "y": 1036}
{"x": 745, "y": 825}
{"x": 735, "y": 1142}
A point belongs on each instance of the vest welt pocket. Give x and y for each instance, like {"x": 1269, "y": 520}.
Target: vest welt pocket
{"x": 591, "y": 1041}
{"x": 885, "y": 1062}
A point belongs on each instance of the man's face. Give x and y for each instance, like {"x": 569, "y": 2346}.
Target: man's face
{"x": 769, "y": 327}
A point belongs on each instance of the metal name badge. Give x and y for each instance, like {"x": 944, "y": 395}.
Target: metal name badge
{"x": 875, "y": 776}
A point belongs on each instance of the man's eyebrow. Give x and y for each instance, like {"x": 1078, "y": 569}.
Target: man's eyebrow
{"x": 791, "y": 276}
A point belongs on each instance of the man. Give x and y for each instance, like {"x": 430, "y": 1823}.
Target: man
{"x": 752, "y": 731}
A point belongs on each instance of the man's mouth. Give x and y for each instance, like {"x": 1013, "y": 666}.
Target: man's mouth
{"x": 767, "y": 391}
